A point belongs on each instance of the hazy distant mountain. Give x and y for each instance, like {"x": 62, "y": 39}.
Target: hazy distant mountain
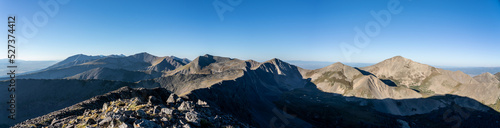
{"x": 125, "y": 68}
{"x": 75, "y": 60}
{"x": 24, "y": 66}
{"x": 396, "y": 92}
{"x": 474, "y": 71}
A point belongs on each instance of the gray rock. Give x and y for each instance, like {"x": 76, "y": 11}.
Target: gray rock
{"x": 185, "y": 106}
{"x": 119, "y": 117}
{"x": 192, "y": 117}
{"x": 171, "y": 99}
{"x": 164, "y": 119}
{"x": 202, "y": 103}
{"x": 167, "y": 111}
{"x": 142, "y": 123}
{"x": 104, "y": 107}
{"x": 155, "y": 110}
{"x": 106, "y": 121}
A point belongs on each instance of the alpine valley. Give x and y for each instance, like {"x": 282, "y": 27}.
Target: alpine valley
{"x": 144, "y": 90}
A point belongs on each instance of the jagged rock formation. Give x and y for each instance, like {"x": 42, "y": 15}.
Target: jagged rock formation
{"x": 75, "y": 60}
{"x": 251, "y": 96}
{"x": 244, "y": 88}
{"x": 146, "y": 108}
{"x": 209, "y": 64}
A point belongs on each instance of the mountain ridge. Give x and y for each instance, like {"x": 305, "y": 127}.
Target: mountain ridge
{"x": 251, "y": 91}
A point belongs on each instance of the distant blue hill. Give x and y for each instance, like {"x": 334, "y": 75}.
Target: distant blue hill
{"x": 474, "y": 71}
{"x": 24, "y": 66}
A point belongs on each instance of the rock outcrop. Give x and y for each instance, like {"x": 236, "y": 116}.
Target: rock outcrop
{"x": 143, "y": 108}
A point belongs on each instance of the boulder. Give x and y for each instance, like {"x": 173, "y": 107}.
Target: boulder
{"x": 142, "y": 123}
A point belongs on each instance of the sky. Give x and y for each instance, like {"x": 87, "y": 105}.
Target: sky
{"x": 435, "y": 32}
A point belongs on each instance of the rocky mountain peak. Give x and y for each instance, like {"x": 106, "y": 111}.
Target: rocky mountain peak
{"x": 145, "y": 57}
{"x": 337, "y": 64}
{"x": 207, "y": 55}
{"x": 398, "y": 60}
{"x": 486, "y": 78}
{"x": 74, "y": 60}
{"x": 275, "y": 61}
{"x": 403, "y": 70}
{"x": 207, "y": 59}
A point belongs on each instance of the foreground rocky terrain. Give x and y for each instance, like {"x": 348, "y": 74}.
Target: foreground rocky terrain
{"x": 127, "y": 108}
{"x": 222, "y": 91}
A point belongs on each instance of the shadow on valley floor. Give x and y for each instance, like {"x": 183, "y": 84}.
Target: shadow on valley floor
{"x": 250, "y": 102}
{"x": 324, "y": 109}
{"x": 364, "y": 72}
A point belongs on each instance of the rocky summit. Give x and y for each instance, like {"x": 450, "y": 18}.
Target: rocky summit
{"x": 136, "y": 108}
{"x": 144, "y": 90}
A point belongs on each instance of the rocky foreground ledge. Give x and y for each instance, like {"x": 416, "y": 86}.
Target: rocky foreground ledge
{"x": 127, "y": 108}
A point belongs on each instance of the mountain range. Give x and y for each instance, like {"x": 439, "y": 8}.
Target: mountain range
{"x": 396, "y": 92}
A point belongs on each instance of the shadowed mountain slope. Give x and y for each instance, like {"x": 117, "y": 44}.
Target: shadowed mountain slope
{"x": 243, "y": 88}
{"x": 136, "y": 67}
{"x": 396, "y": 92}
{"x": 75, "y": 60}
{"x": 115, "y": 74}
{"x": 346, "y": 80}
{"x": 127, "y": 107}
{"x": 39, "y": 97}
{"x": 334, "y": 110}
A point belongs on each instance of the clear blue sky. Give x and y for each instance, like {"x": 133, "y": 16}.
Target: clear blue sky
{"x": 436, "y": 32}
